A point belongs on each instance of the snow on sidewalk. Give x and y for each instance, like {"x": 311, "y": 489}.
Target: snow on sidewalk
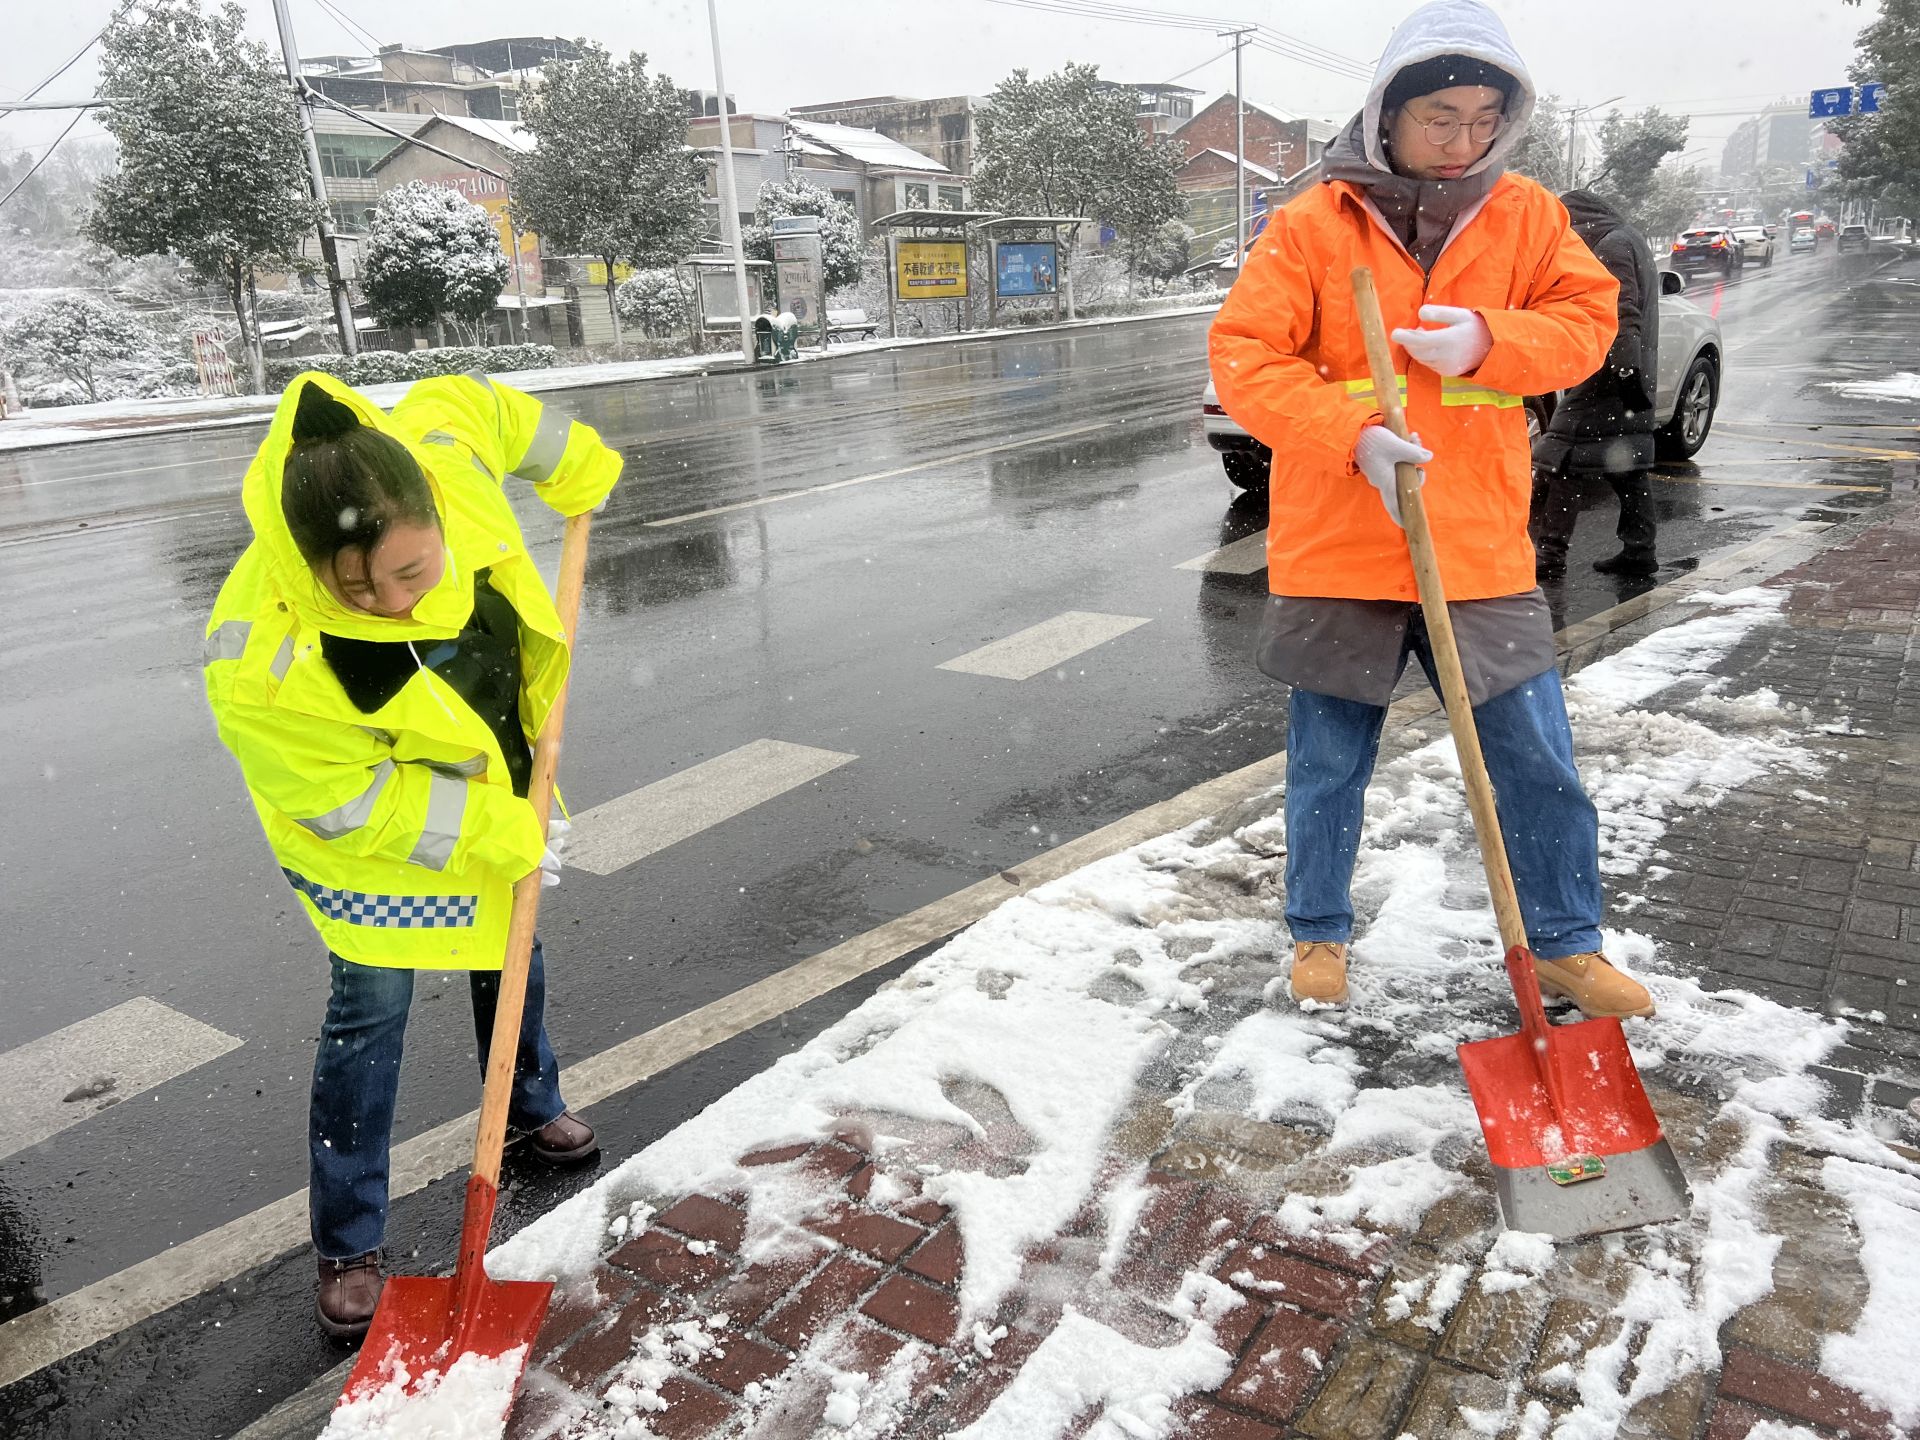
{"x": 1079, "y": 1156}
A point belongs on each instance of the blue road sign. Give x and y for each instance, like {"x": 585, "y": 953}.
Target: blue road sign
{"x": 1870, "y": 98}
{"x": 1828, "y": 103}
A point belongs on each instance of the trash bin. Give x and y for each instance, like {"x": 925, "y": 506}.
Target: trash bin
{"x": 766, "y": 345}
{"x": 786, "y": 335}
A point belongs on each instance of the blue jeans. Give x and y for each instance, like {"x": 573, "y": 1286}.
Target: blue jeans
{"x": 356, "y": 1079}
{"x": 1551, "y": 828}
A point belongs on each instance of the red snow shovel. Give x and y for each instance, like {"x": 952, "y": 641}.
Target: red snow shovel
{"x": 425, "y": 1323}
{"x": 1575, "y": 1145}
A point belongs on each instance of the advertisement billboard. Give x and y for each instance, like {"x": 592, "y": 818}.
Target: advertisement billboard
{"x": 930, "y": 270}
{"x": 1027, "y": 268}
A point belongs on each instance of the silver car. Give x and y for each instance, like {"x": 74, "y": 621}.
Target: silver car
{"x": 1692, "y": 355}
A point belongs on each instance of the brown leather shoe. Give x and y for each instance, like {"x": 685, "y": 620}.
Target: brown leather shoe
{"x": 565, "y": 1141}
{"x": 349, "y": 1293}
{"x": 1594, "y": 985}
{"x": 1319, "y": 972}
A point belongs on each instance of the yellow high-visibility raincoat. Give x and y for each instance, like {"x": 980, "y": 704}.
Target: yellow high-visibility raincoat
{"x": 399, "y": 828}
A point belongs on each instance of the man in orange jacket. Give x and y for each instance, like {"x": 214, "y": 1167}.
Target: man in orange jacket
{"x": 1495, "y": 298}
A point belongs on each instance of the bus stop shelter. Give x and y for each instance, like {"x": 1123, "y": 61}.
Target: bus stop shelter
{"x": 713, "y": 290}
{"x": 1024, "y": 259}
{"x": 928, "y": 255}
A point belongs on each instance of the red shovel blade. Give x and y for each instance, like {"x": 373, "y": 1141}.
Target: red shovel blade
{"x": 424, "y": 1324}
{"x": 416, "y": 1331}
{"x": 1603, "y": 1109}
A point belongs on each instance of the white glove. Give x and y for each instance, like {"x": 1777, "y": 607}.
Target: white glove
{"x": 557, "y": 832}
{"x": 1456, "y": 348}
{"x": 1376, "y": 453}
{"x": 549, "y": 868}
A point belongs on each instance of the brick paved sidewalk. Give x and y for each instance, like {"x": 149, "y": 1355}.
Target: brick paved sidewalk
{"x": 1803, "y": 890}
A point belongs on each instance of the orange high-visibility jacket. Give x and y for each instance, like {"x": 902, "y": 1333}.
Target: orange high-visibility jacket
{"x": 1290, "y": 366}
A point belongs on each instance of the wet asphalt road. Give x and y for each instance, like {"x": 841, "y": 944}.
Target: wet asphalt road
{"x": 1044, "y": 473}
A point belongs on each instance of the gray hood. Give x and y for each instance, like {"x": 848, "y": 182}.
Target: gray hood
{"x": 1451, "y": 27}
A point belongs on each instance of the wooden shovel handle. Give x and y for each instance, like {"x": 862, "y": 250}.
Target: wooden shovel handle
{"x": 491, "y": 1138}
{"x": 1433, "y": 604}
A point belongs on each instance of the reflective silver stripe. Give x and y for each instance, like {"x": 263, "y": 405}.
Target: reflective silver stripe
{"x": 446, "y": 807}
{"x": 283, "y": 659}
{"x": 344, "y": 819}
{"x": 438, "y": 437}
{"x": 227, "y": 642}
{"x": 549, "y": 444}
{"x": 385, "y": 737}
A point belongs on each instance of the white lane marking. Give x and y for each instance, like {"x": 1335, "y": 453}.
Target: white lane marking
{"x": 71, "y": 1075}
{"x": 1242, "y": 557}
{"x": 72, "y": 1323}
{"x": 1023, "y": 655}
{"x": 613, "y": 835}
{"x": 933, "y": 464}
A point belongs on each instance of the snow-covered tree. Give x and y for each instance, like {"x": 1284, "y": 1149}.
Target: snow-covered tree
{"x": 1881, "y": 161}
{"x": 841, "y": 247}
{"x": 1070, "y": 144}
{"x": 77, "y": 338}
{"x": 1632, "y": 150}
{"x": 1541, "y": 153}
{"x": 432, "y": 256}
{"x": 610, "y": 174}
{"x": 211, "y": 164}
{"x": 655, "y": 300}
{"x": 1066, "y": 144}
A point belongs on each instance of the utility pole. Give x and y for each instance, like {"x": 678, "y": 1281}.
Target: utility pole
{"x": 1573, "y": 129}
{"x": 329, "y": 251}
{"x": 1239, "y": 144}
{"x": 729, "y": 197}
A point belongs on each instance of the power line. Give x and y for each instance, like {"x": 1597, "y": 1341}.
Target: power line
{"x": 78, "y": 115}
{"x": 74, "y": 60}
{"x": 1273, "y": 41}
{"x": 349, "y": 26}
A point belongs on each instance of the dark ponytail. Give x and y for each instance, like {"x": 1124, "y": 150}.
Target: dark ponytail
{"x": 345, "y": 484}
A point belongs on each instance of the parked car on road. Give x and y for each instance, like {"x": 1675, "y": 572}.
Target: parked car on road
{"x": 1803, "y": 239}
{"x": 1756, "y": 244}
{"x": 1687, "y": 393}
{"x": 1711, "y": 247}
{"x": 1854, "y": 237}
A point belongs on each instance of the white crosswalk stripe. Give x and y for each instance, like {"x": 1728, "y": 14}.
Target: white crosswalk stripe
{"x": 1040, "y": 647}
{"x": 55, "y": 1082}
{"x": 1242, "y": 557}
{"x": 613, "y": 835}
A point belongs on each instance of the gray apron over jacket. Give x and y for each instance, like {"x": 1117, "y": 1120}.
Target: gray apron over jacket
{"x": 1356, "y": 649}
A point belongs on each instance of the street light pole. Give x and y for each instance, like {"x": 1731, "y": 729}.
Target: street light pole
{"x": 1239, "y": 145}
{"x": 329, "y": 250}
{"x": 729, "y": 197}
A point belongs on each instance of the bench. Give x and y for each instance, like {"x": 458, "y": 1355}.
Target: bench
{"x": 850, "y": 322}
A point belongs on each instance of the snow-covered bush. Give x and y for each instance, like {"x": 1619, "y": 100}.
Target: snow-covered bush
{"x": 71, "y": 347}
{"x": 655, "y": 300}
{"x": 432, "y": 255}
{"x": 381, "y": 367}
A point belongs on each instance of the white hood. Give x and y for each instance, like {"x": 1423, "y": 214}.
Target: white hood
{"x": 1451, "y": 27}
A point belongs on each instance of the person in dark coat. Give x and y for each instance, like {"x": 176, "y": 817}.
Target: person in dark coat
{"x": 1605, "y": 424}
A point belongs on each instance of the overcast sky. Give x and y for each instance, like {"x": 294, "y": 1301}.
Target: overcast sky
{"x": 1717, "y": 59}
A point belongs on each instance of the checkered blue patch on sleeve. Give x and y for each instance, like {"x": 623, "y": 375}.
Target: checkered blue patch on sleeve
{"x": 397, "y": 912}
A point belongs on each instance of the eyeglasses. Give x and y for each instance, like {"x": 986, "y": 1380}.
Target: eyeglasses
{"x": 1441, "y": 130}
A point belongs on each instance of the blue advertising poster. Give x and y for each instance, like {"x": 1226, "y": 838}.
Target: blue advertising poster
{"x": 1028, "y": 269}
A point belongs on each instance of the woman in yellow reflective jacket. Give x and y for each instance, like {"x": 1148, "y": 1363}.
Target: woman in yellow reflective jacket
{"x": 379, "y": 662}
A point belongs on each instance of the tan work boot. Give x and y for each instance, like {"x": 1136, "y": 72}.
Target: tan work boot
{"x": 1319, "y": 972}
{"x": 1594, "y": 985}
